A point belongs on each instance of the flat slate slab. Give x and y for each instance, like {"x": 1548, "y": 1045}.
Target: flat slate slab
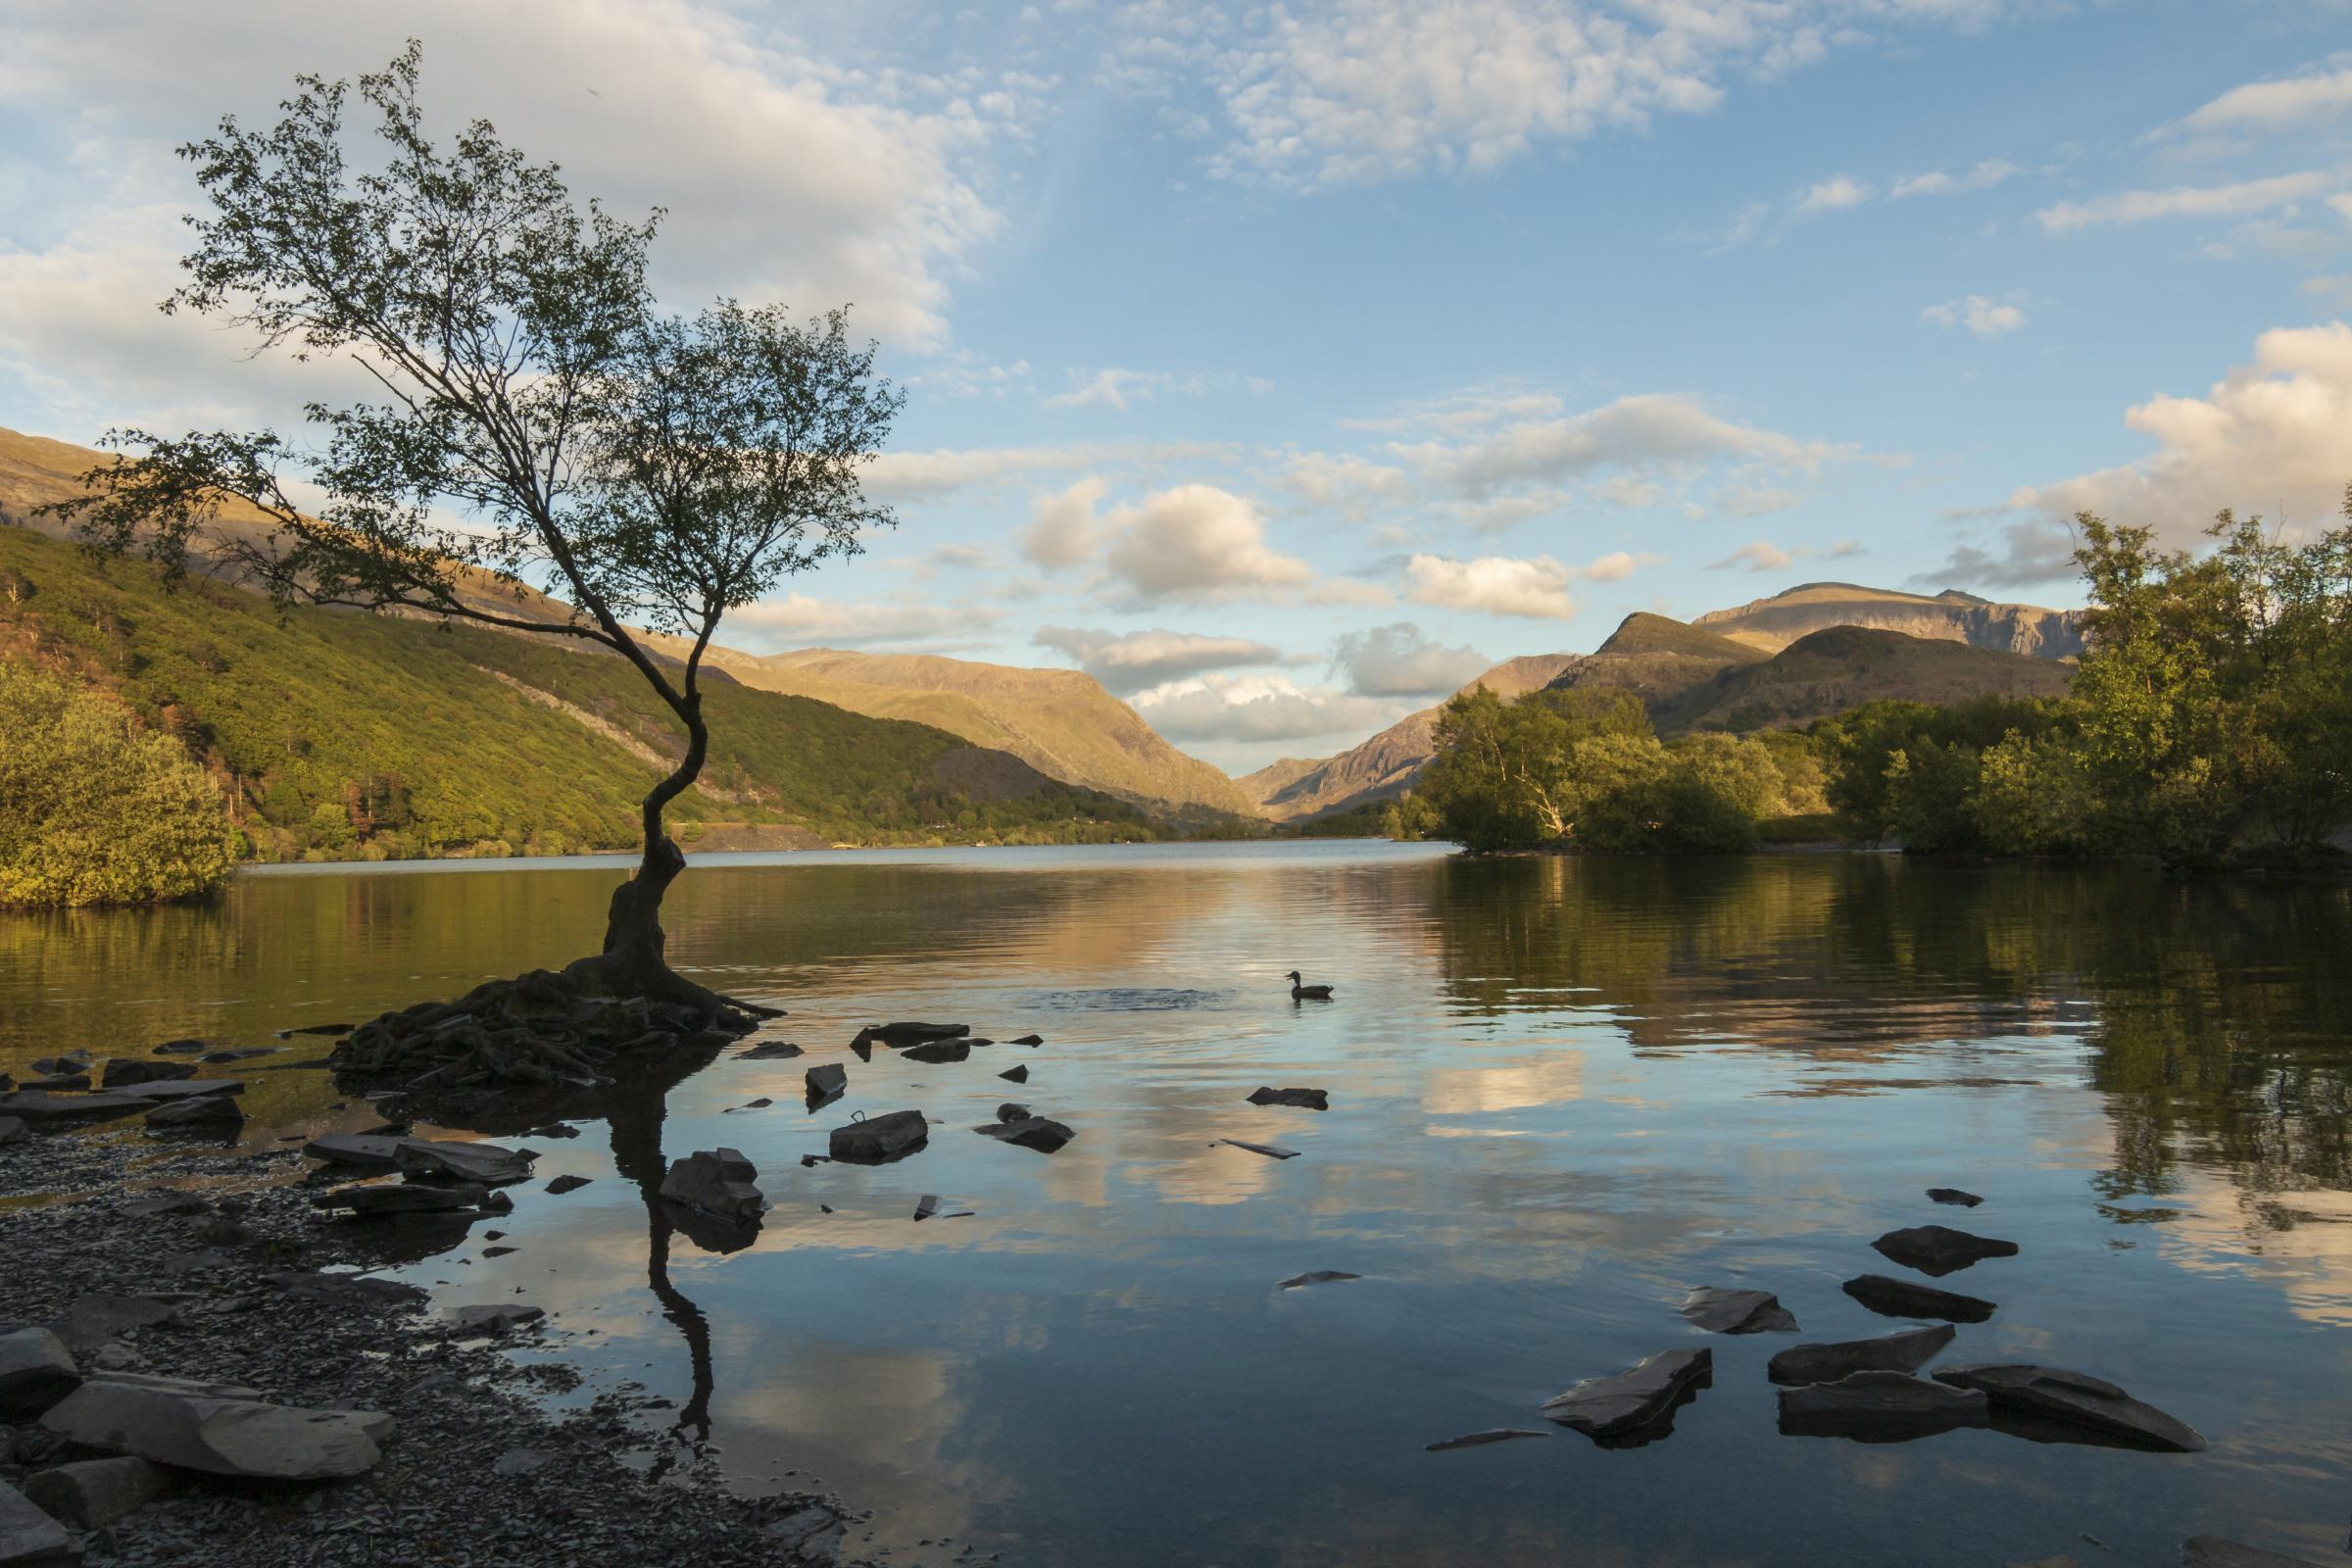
{"x": 39, "y": 1106}
{"x": 29, "y": 1537}
{"x": 2075, "y": 1399}
{"x": 1891, "y": 1298}
{"x": 1303, "y": 1099}
{"x": 217, "y": 1429}
{"x": 1879, "y": 1407}
{"x": 1268, "y": 1150}
{"x": 899, "y": 1035}
{"x": 1041, "y": 1133}
{"x": 1938, "y": 1249}
{"x": 1905, "y": 1351}
{"x": 770, "y": 1051}
{"x": 37, "y": 1370}
{"x": 1320, "y": 1276}
{"x": 1637, "y": 1401}
{"x": 1479, "y": 1440}
{"x": 1954, "y": 1195}
{"x": 1721, "y": 1311}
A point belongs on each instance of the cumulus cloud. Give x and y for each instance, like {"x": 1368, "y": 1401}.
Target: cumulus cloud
{"x": 1198, "y": 543}
{"x": 1833, "y": 195}
{"x": 1982, "y": 315}
{"x": 1138, "y": 659}
{"x": 1111, "y": 388}
{"x": 1494, "y": 585}
{"x": 1061, "y": 526}
{"x": 1639, "y": 432}
{"x": 1761, "y": 556}
{"x": 1984, "y": 174}
{"x": 1619, "y": 564}
{"x": 1402, "y": 661}
{"x": 2275, "y": 430}
{"x": 2267, "y": 108}
{"x": 2237, "y": 200}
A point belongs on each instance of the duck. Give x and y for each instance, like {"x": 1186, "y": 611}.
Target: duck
{"x": 1306, "y": 993}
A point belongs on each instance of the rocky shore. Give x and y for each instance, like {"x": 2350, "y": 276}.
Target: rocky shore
{"x": 238, "y": 1281}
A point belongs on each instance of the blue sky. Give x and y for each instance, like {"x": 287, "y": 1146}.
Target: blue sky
{"x": 1285, "y": 365}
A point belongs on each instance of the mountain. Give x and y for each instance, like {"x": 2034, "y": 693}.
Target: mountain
{"x": 340, "y": 733}
{"x": 1842, "y": 667}
{"x": 1655, "y": 658}
{"x": 1060, "y": 721}
{"x": 1387, "y": 763}
{"x": 1772, "y": 624}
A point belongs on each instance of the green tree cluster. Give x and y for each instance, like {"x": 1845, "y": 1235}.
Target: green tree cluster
{"x": 94, "y": 809}
{"x": 2211, "y": 718}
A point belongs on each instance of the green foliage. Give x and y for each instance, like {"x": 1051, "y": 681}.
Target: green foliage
{"x": 95, "y": 810}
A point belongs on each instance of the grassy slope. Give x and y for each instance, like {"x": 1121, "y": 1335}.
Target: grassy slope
{"x": 1844, "y": 667}
{"x": 296, "y": 709}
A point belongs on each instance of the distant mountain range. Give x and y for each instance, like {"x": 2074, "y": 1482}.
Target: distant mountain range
{"x": 1951, "y": 615}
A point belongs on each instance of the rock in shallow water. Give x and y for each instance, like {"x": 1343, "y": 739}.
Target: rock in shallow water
{"x": 1320, "y": 1276}
{"x": 1954, "y": 1195}
{"x": 1479, "y": 1440}
{"x": 2075, "y": 1399}
{"x": 217, "y": 1429}
{"x": 1938, "y": 1249}
{"x": 937, "y": 1052}
{"x": 718, "y": 1182}
{"x": 1303, "y": 1099}
{"x": 899, "y": 1034}
{"x": 37, "y": 1370}
{"x": 1637, "y": 1402}
{"x": 1905, "y": 1351}
{"x": 1041, "y": 1133}
{"x": 207, "y": 1114}
{"x": 879, "y": 1138}
{"x": 121, "y": 1071}
{"x": 828, "y": 1081}
{"x": 770, "y": 1051}
{"x": 1721, "y": 1311}
{"x": 2212, "y": 1552}
{"x": 1268, "y": 1150}
{"x": 1879, "y": 1407}
{"x": 1892, "y": 1298}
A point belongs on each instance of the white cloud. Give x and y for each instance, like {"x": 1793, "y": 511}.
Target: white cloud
{"x": 799, "y": 620}
{"x": 1761, "y": 556}
{"x": 1110, "y": 388}
{"x": 1619, "y": 564}
{"x": 1647, "y": 430}
{"x": 1756, "y": 500}
{"x": 1344, "y": 482}
{"x": 1239, "y": 709}
{"x": 1402, "y": 661}
{"x": 900, "y": 476}
{"x": 1061, "y": 527}
{"x": 1984, "y": 175}
{"x": 1141, "y": 660}
{"x": 1198, "y": 543}
{"x": 2267, "y": 108}
{"x": 1494, "y": 585}
{"x": 2333, "y": 293}
{"x": 1982, "y": 314}
{"x": 2192, "y": 201}
{"x": 1833, "y": 195}
{"x": 2274, "y": 432}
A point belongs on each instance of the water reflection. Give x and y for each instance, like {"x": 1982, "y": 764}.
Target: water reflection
{"x": 1562, "y": 1093}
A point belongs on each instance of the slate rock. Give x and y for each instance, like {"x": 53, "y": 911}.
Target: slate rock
{"x": 812, "y": 1533}
{"x": 182, "y": 1047}
{"x": 1012, "y": 1111}
{"x": 29, "y": 1537}
{"x": 521, "y": 1461}
{"x": 939, "y": 1051}
{"x": 567, "y": 1184}
{"x": 1954, "y": 1195}
{"x": 63, "y": 1065}
{"x": 1904, "y": 1350}
{"x": 124, "y": 1070}
{"x": 1303, "y": 1099}
{"x": 37, "y": 1370}
{"x": 1320, "y": 1276}
{"x": 770, "y": 1051}
{"x": 205, "y": 1113}
{"x": 826, "y": 1081}
{"x": 217, "y": 1428}
{"x": 2075, "y": 1399}
{"x": 495, "y": 1318}
{"x": 2212, "y": 1552}
{"x": 878, "y": 1140}
{"x": 348, "y": 1290}
{"x": 359, "y": 1151}
{"x": 1029, "y": 1040}
{"x": 1479, "y": 1440}
{"x": 900, "y": 1035}
{"x": 1892, "y": 1298}
{"x": 1938, "y": 1249}
{"x": 95, "y": 1320}
{"x": 490, "y": 1164}
{"x": 93, "y": 1494}
{"x": 1721, "y": 1311}
{"x": 144, "y": 1094}
{"x": 1268, "y": 1150}
{"x": 1041, "y": 1133}
{"x": 243, "y": 1054}
{"x": 1879, "y": 1407}
{"x": 40, "y": 1107}
{"x": 718, "y": 1182}
{"x": 375, "y": 1202}
{"x": 1016, "y": 1075}
{"x": 1637, "y": 1401}
{"x": 13, "y": 1131}
{"x": 59, "y": 1083}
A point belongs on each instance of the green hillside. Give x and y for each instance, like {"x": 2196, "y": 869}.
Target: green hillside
{"x": 1842, "y": 667}
{"x": 339, "y": 734}
{"x": 1644, "y": 633}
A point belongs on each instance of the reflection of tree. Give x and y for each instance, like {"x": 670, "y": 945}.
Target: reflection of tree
{"x": 635, "y": 1113}
{"x": 2217, "y": 1012}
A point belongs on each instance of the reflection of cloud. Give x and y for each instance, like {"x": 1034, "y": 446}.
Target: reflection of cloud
{"x": 1554, "y": 1079}
{"x": 2298, "y": 1242}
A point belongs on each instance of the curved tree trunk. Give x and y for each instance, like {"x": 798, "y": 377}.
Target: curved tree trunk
{"x": 633, "y": 962}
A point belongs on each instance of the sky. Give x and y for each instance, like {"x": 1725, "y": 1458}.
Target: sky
{"x": 1283, "y": 367}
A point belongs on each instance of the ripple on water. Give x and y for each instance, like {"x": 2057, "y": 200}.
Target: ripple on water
{"x": 1127, "y": 999}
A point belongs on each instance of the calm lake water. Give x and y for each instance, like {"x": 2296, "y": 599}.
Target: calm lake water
{"x": 1562, "y": 1092}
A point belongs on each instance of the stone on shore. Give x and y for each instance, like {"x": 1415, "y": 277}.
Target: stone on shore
{"x": 718, "y": 1182}
{"x": 1879, "y": 1407}
{"x": 13, "y": 1131}
{"x": 828, "y": 1081}
{"x": 40, "y": 1107}
{"x": 2212, "y": 1552}
{"x": 1303, "y": 1099}
{"x": 405, "y": 1198}
{"x": 93, "y": 1494}
{"x": 878, "y": 1140}
{"x": 490, "y": 1164}
{"x": 145, "y": 1094}
{"x": 2075, "y": 1399}
{"x": 214, "y": 1113}
{"x": 1938, "y": 1249}
{"x": 349, "y": 1290}
{"x": 64, "y": 1064}
{"x": 1633, "y": 1402}
{"x": 1954, "y": 1195}
{"x": 359, "y": 1151}
{"x": 219, "y": 1430}
{"x": 94, "y": 1321}
{"x": 1904, "y": 1350}
{"x": 1721, "y": 1311}
{"x": 37, "y": 1370}
{"x": 1892, "y": 1298}
{"x": 29, "y": 1537}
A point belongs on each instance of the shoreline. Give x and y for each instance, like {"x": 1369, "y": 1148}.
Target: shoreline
{"x": 480, "y": 1468}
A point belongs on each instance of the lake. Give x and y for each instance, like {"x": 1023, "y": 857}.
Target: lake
{"x": 1562, "y": 1092}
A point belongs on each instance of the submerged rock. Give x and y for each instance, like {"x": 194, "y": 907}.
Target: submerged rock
{"x": 718, "y": 1182}
{"x": 37, "y": 1370}
{"x": 1954, "y": 1195}
{"x": 125, "y": 1070}
{"x": 1938, "y": 1249}
{"x": 1028, "y": 1039}
{"x": 2212, "y": 1552}
{"x": 939, "y": 1051}
{"x": 1721, "y": 1311}
{"x": 1892, "y": 1298}
{"x": 828, "y": 1081}
{"x": 1479, "y": 1440}
{"x": 405, "y": 1198}
{"x": 29, "y": 1537}
{"x": 1041, "y": 1133}
{"x": 899, "y": 1035}
{"x": 877, "y": 1140}
{"x": 93, "y": 1494}
{"x": 1268, "y": 1150}
{"x": 1303, "y": 1099}
{"x": 567, "y": 1184}
{"x": 1904, "y": 1350}
{"x": 1320, "y": 1276}
{"x": 1637, "y": 1402}
{"x": 770, "y": 1051}
{"x": 2075, "y": 1399}
{"x": 218, "y": 1429}
{"x": 495, "y": 1318}
{"x": 1879, "y": 1407}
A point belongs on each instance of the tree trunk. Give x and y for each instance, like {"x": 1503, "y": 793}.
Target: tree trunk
{"x": 633, "y": 962}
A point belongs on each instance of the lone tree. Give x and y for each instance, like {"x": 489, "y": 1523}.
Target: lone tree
{"x": 655, "y": 471}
